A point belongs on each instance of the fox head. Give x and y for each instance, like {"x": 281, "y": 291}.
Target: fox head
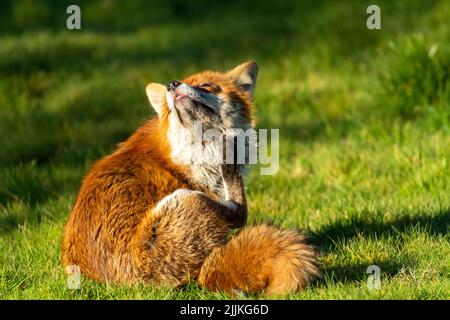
{"x": 216, "y": 100}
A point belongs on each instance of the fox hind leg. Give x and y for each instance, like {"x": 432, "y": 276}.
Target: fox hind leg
{"x": 177, "y": 235}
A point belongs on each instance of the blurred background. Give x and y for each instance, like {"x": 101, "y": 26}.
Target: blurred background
{"x": 363, "y": 117}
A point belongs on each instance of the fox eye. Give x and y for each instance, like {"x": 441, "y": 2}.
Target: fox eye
{"x": 205, "y": 86}
{"x": 209, "y": 87}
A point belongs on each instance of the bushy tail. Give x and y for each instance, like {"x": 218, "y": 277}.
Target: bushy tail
{"x": 260, "y": 258}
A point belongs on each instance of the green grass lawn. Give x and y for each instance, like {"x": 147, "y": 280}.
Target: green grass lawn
{"x": 364, "y": 119}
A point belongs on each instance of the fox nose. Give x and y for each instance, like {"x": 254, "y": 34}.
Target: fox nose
{"x": 173, "y": 84}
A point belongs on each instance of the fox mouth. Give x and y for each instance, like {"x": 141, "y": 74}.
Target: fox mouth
{"x": 179, "y": 97}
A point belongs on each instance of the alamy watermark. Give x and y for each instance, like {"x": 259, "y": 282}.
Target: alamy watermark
{"x": 73, "y": 277}
{"x": 374, "y": 277}
{"x": 73, "y": 21}
{"x": 374, "y": 20}
{"x": 243, "y": 147}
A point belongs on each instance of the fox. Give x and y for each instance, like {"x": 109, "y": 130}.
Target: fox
{"x": 148, "y": 213}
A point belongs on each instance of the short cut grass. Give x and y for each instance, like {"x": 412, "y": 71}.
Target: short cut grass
{"x": 364, "y": 119}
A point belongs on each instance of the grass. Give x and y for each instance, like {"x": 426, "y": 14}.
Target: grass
{"x": 364, "y": 119}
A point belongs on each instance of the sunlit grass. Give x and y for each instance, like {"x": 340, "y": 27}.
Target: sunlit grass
{"x": 364, "y": 119}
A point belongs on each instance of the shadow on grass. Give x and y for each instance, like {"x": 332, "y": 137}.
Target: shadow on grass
{"x": 436, "y": 224}
{"x": 346, "y": 274}
{"x": 182, "y": 33}
{"x": 191, "y": 34}
{"x": 326, "y": 239}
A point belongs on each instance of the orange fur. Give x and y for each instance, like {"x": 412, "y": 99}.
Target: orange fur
{"x": 119, "y": 230}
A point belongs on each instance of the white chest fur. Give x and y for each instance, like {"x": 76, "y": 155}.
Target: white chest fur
{"x": 203, "y": 157}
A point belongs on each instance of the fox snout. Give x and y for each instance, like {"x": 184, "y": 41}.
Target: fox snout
{"x": 179, "y": 89}
{"x": 181, "y": 93}
{"x": 172, "y": 85}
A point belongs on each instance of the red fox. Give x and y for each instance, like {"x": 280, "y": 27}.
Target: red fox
{"x": 147, "y": 213}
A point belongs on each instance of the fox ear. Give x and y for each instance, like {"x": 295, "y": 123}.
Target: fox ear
{"x": 156, "y": 94}
{"x": 244, "y": 76}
